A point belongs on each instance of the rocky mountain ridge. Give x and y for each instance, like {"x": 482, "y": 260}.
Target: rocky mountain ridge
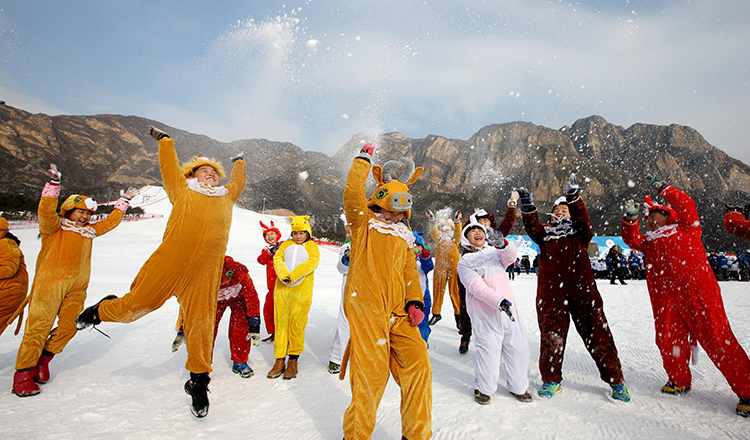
{"x": 103, "y": 153}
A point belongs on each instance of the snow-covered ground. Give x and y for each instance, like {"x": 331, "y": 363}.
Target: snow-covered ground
{"x": 131, "y": 386}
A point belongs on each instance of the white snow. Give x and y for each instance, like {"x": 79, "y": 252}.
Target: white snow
{"x": 131, "y": 386}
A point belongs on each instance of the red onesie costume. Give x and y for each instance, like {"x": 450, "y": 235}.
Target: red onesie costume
{"x": 685, "y": 296}
{"x": 266, "y": 258}
{"x": 736, "y": 224}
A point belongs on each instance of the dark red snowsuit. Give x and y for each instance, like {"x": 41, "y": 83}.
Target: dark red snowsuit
{"x": 566, "y": 289}
{"x": 736, "y": 223}
{"x": 266, "y": 258}
{"x": 685, "y": 296}
{"x": 240, "y": 296}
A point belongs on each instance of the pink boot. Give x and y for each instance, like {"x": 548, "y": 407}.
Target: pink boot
{"x": 24, "y": 385}
{"x": 41, "y": 371}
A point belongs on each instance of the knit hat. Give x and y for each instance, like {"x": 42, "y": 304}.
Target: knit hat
{"x": 473, "y": 224}
{"x": 232, "y": 268}
{"x": 418, "y": 238}
{"x": 393, "y": 195}
{"x": 649, "y": 205}
{"x": 197, "y": 162}
{"x": 272, "y": 228}
{"x": 561, "y": 201}
{"x": 77, "y": 201}
{"x": 301, "y": 223}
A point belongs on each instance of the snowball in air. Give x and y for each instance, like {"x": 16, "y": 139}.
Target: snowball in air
{"x": 631, "y": 183}
{"x": 303, "y": 175}
{"x": 345, "y": 116}
{"x": 312, "y": 45}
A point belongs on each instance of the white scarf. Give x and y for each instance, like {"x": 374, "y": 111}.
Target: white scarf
{"x": 559, "y": 231}
{"x": 664, "y": 231}
{"x": 213, "y": 191}
{"x": 389, "y": 228}
{"x": 229, "y": 292}
{"x": 85, "y": 231}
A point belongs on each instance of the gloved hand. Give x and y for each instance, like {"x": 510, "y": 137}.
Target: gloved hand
{"x": 287, "y": 280}
{"x": 493, "y": 237}
{"x": 368, "y": 151}
{"x": 504, "y": 305}
{"x": 457, "y": 216}
{"x": 239, "y": 156}
{"x": 416, "y": 316}
{"x": 275, "y": 248}
{"x": 56, "y": 175}
{"x": 430, "y": 216}
{"x": 178, "y": 340}
{"x": 571, "y": 189}
{"x": 425, "y": 254}
{"x": 513, "y": 200}
{"x": 526, "y": 199}
{"x": 253, "y": 329}
{"x": 631, "y": 210}
{"x": 156, "y": 133}
{"x": 129, "y": 194}
{"x": 653, "y": 181}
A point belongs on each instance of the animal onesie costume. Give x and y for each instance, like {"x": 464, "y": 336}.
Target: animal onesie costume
{"x": 292, "y": 296}
{"x": 482, "y": 272}
{"x": 266, "y": 258}
{"x": 424, "y": 266}
{"x": 464, "y": 320}
{"x": 14, "y": 280}
{"x": 381, "y": 285}
{"x": 446, "y": 260}
{"x": 685, "y": 296}
{"x": 240, "y": 296}
{"x": 341, "y": 338}
{"x": 189, "y": 260}
{"x": 566, "y": 289}
{"x": 63, "y": 270}
{"x": 737, "y": 224}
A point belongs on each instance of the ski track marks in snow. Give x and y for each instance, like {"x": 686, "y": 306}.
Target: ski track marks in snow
{"x": 130, "y": 387}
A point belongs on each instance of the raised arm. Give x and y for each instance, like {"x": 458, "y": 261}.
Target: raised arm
{"x": 684, "y": 206}
{"x": 735, "y": 223}
{"x": 238, "y": 179}
{"x": 355, "y": 197}
{"x": 114, "y": 218}
{"x": 583, "y": 230}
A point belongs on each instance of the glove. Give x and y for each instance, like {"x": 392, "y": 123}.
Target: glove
{"x": 178, "y": 340}
{"x": 239, "y": 156}
{"x": 505, "y": 307}
{"x": 156, "y": 133}
{"x": 457, "y": 216}
{"x": 56, "y": 175}
{"x": 275, "y": 248}
{"x": 513, "y": 200}
{"x": 129, "y": 194}
{"x": 425, "y": 254}
{"x": 526, "y": 199}
{"x": 653, "y": 181}
{"x": 367, "y": 151}
{"x": 416, "y": 316}
{"x": 493, "y": 237}
{"x": 287, "y": 280}
{"x": 253, "y": 329}
{"x": 631, "y": 210}
{"x": 571, "y": 189}
{"x": 430, "y": 216}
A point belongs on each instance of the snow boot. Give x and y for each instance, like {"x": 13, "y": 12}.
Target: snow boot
{"x": 243, "y": 369}
{"x": 23, "y": 383}
{"x": 41, "y": 371}
{"x": 334, "y": 368}
{"x": 525, "y": 397}
{"x": 480, "y": 398}
{"x": 464, "y": 347}
{"x": 743, "y": 407}
{"x": 671, "y": 388}
{"x": 197, "y": 388}
{"x": 268, "y": 340}
{"x": 90, "y": 316}
{"x": 278, "y": 368}
{"x": 435, "y": 318}
{"x": 620, "y": 392}
{"x": 291, "y": 369}
{"x": 549, "y": 389}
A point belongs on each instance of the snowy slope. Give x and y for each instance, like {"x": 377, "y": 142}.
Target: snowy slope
{"x": 131, "y": 386}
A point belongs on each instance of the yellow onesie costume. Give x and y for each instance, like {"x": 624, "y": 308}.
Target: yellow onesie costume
{"x": 14, "y": 280}
{"x": 188, "y": 264}
{"x": 382, "y": 280}
{"x": 292, "y": 299}
{"x": 446, "y": 265}
{"x": 63, "y": 269}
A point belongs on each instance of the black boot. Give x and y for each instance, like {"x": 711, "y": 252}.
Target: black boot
{"x": 435, "y": 318}
{"x": 90, "y": 316}
{"x": 464, "y": 347}
{"x": 197, "y": 387}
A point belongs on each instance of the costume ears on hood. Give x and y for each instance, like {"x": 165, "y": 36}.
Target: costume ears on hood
{"x": 77, "y": 201}
{"x": 272, "y": 228}
{"x": 650, "y": 205}
{"x": 382, "y": 175}
{"x": 301, "y": 223}
{"x": 393, "y": 195}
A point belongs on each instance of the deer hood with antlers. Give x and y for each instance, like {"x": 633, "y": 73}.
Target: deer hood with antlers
{"x": 393, "y": 195}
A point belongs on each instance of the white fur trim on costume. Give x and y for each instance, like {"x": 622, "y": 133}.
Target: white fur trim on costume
{"x": 400, "y": 230}
{"x": 204, "y": 189}
{"x": 229, "y": 292}
{"x": 85, "y": 231}
{"x": 664, "y": 231}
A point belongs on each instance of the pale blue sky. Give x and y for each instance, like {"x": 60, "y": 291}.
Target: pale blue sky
{"x": 243, "y": 69}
